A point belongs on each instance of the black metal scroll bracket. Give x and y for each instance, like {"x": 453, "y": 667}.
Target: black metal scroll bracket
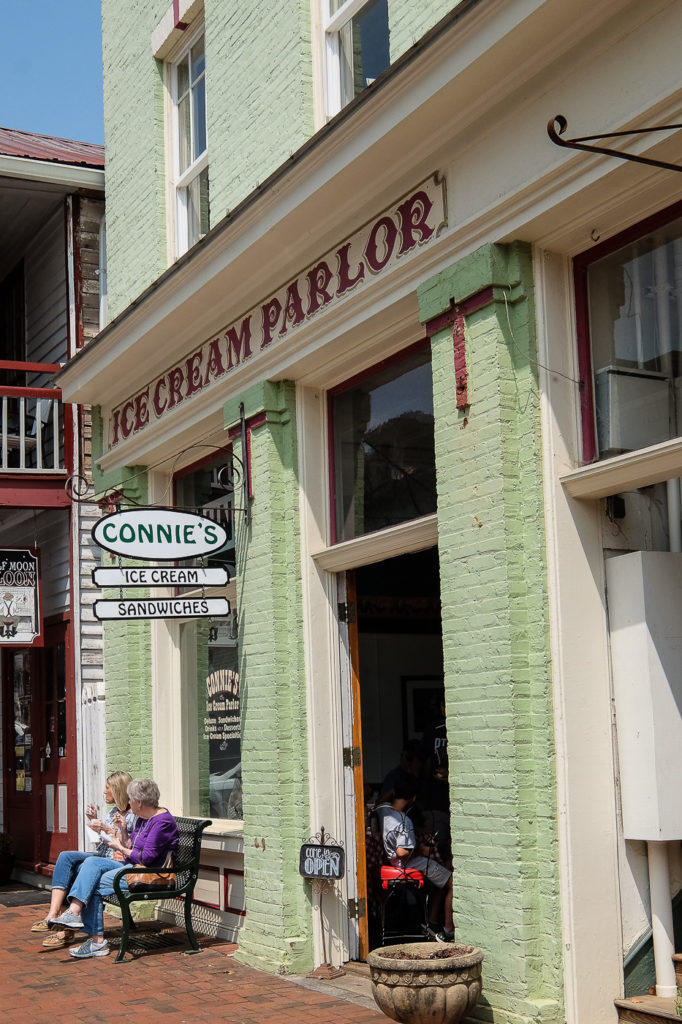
{"x": 560, "y": 122}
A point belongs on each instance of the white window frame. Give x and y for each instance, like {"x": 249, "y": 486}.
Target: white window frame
{"x": 333, "y": 23}
{"x": 181, "y": 182}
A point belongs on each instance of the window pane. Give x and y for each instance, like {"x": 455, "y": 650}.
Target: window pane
{"x": 183, "y": 78}
{"x": 197, "y": 208}
{"x": 635, "y": 330}
{"x": 199, "y": 112}
{"x": 384, "y": 461}
{"x": 184, "y": 150}
{"x": 364, "y": 49}
{"x": 197, "y": 59}
{"x": 211, "y": 702}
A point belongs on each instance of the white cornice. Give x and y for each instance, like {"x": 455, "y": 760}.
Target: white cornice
{"x": 52, "y": 173}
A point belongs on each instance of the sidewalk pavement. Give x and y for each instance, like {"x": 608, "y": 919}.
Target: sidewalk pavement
{"x": 159, "y": 983}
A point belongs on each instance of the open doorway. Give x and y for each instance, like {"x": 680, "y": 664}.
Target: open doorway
{"x": 397, "y": 708}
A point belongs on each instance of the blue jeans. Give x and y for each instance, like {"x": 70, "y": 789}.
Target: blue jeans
{"x": 93, "y": 881}
{"x": 66, "y": 868}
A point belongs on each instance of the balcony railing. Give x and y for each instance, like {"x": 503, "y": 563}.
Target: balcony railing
{"x": 31, "y": 424}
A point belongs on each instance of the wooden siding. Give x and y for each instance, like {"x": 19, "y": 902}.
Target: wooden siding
{"x": 45, "y": 296}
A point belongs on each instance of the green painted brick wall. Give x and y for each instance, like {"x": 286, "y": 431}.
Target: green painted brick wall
{"x": 277, "y": 930}
{"x": 259, "y": 93}
{"x": 259, "y": 110}
{"x": 133, "y": 136}
{"x": 496, "y": 637}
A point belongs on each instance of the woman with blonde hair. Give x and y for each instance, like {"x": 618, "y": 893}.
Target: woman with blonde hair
{"x": 118, "y": 821}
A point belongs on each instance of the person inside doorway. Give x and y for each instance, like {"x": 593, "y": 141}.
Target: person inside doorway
{"x": 410, "y": 764}
{"x": 69, "y": 861}
{"x": 403, "y": 849}
{"x": 434, "y": 794}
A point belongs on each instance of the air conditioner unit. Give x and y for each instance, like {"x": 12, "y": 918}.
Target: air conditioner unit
{"x": 632, "y": 409}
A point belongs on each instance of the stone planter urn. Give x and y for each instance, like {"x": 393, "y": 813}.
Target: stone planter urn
{"x": 426, "y": 982}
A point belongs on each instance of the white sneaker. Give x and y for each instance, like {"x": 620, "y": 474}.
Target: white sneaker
{"x": 90, "y": 948}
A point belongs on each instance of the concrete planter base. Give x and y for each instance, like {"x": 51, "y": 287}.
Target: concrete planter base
{"x": 425, "y": 991}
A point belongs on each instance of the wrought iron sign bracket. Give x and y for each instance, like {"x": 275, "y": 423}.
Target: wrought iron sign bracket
{"x": 558, "y": 124}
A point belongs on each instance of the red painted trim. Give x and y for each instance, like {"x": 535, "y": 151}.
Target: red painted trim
{"x": 9, "y": 364}
{"x": 22, "y": 491}
{"x": 464, "y": 308}
{"x": 461, "y": 376}
{"x": 226, "y": 881}
{"x": 257, "y": 420}
{"x": 209, "y": 868}
{"x": 182, "y": 25}
{"x": 13, "y": 392}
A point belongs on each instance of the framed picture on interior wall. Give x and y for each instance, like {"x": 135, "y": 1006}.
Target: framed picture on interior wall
{"x": 421, "y": 704}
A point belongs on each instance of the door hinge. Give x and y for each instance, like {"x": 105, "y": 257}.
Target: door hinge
{"x": 346, "y": 611}
{"x": 352, "y": 757}
{"x": 357, "y": 908}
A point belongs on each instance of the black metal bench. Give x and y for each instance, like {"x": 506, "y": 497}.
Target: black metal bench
{"x": 186, "y": 872}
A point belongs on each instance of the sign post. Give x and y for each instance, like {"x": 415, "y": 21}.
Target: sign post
{"x": 323, "y": 863}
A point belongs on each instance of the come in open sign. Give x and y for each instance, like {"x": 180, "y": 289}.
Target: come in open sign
{"x": 317, "y": 861}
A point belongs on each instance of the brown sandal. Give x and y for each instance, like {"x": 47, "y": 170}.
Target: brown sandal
{"x": 40, "y": 926}
{"x": 57, "y": 941}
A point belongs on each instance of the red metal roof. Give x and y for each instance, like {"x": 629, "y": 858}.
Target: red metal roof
{"x": 44, "y": 147}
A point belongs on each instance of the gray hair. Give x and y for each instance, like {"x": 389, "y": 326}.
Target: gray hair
{"x": 144, "y": 791}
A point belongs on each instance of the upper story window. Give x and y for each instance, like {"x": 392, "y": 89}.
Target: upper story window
{"x": 190, "y": 153}
{"x": 357, "y": 48}
{"x": 631, "y": 291}
{"x": 384, "y": 465}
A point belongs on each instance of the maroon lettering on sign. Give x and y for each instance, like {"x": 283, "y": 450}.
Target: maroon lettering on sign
{"x": 193, "y": 374}
{"x": 293, "y": 309}
{"x": 390, "y": 234}
{"x": 345, "y": 280}
{"x": 115, "y": 423}
{"x": 126, "y": 424}
{"x": 271, "y": 312}
{"x": 214, "y": 363}
{"x": 239, "y": 344}
{"x": 176, "y": 379}
{"x": 413, "y": 227}
{"x": 159, "y": 406}
{"x": 141, "y": 410}
{"x": 319, "y": 279}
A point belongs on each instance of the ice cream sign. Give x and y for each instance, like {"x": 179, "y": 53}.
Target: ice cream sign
{"x": 160, "y": 535}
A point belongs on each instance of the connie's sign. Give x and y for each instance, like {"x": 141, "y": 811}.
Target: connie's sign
{"x": 412, "y": 222}
{"x": 159, "y": 534}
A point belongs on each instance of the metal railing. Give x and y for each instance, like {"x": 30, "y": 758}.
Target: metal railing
{"x": 31, "y": 424}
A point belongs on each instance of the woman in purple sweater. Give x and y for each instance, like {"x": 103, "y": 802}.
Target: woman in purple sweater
{"x": 154, "y": 836}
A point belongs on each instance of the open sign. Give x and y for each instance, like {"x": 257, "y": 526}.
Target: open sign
{"x": 318, "y": 861}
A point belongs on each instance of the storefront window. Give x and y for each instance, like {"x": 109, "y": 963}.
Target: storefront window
{"x": 383, "y": 448}
{"x": 635, "y": 328}
{"x": 210, "y": 663}
{"x": 210, "y": 684}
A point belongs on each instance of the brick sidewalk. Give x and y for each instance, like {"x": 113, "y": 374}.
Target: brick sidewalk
{"x": 158, "y": 984}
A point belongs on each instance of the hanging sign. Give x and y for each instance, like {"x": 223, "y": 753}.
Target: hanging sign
{"x": 159, "y": 534}
{"x": 318, "y": 861}
{"x": 162, "y": 608}
{"x": 161, "y": 576}
{"x": 20, "y": 619}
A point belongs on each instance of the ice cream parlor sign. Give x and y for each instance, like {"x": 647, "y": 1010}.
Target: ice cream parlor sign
{"x": 410, "y": 224}
{"x": 20, "y": 619}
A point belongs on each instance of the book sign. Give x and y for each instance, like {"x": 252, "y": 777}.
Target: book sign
{"x": 20, "y": 621}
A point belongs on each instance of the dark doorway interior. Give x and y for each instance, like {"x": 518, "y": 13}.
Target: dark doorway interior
{"x": 400, "y": 670}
